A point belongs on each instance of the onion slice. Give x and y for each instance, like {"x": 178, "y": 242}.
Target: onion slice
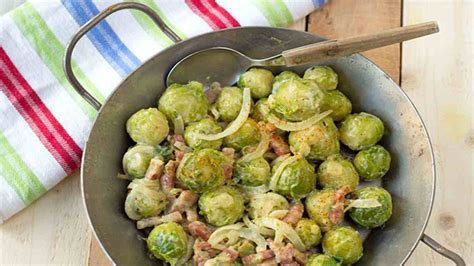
{"x": 282, "y": 229}
{"x": 254, "y": 236}
{"x": 262, "y": 147}
{"x": 296, "y": 126}
{"x": 260, "y": 229}
{"x": 178, "y": 123}
{"x": 234, "y": 125}
{"x": 279, "y": 170}
{"x": 363, "y": 203}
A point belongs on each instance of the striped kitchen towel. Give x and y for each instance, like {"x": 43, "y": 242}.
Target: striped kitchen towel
{"x": 43, "y": 121}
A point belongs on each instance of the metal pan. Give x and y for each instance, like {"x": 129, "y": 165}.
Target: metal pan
{"x": 411, "y": 181}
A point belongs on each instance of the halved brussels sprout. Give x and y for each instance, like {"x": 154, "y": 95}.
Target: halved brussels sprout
{"x": 322, "y": 260}
{"x": 318, "y": 206}
{"x": 136, "y": 160}
{"x": 168, "y": 242}
{"x": 296, "y": 99}
{"x": 187, "y": 101}
{"x": 340, "y": 105}
{"x": 309, "y": 232}
{"x": 222, "y": 206}
{"x": 252, "y": 173}
{"x": 325, "y": 77}
{"x": 229, "y": 102}
{"x": 372, "y": 217}
{"x": 203, "y": 170}
{"x": 148, "y": 126}
{"x": 145, "y": 199}
{"x": 262, "y": 205}
{"x": 296, "y": 180}
{"x": 318, "y": 142}
{"x": 361, "y": 130}
{"x": 337, "y": 172}
{"x": 260, "y": 110}
{"x": 205, "y": 126}
{"x": 344, "y": 243}
{"x": 248, "y": 134}
{"x": 372, "y": 162}
{"x": 259, "y": 81}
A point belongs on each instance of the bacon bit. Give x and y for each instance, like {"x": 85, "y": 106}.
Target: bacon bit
{"x": 230, "y": 152}
{"x": 185, "y": 200}
{"x": 179, "y": 155}
{"x": 269, "y": 262}
{"x": 200, "y": 230}
{"x": 152, "y": 221}
{"x": 269, "y": 127}
{"x": 258, "y": 258}
{"x": 285, "y": 255}
{"x": 342, "y": 192}
{"x": 191, "y": 214}
{"x": 278, "y": 144}
{"x": 300, "y": 257}
{"x": 212, "y": 94}
{"x": 175, "y": 138}
{"x": 295, "y": 214}
{"x": 231, "y": 254}
{"x": 203, "y": 251}
{"x": 168, "y": 179}
{"x": 155, "y": 169}
{"x": 336, "y": 214}
{"x": 228, "y": 170}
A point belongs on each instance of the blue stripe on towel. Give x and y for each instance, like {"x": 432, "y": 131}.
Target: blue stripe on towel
{"x": 103, "y": 37}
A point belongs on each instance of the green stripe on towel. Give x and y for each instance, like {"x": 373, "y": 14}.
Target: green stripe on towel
{"x": 275, "y": 11}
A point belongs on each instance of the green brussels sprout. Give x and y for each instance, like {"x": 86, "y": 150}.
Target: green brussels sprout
{"x": 252, "y": 173}
{"x": 148, "y": 126}
{"x": 295, "y": 99}
{"x": 340, "y": 105}
{"x": 372, "y": 217}
{"x": 229, "y": 103}
{"x": 187, "y": 101}
{"x": 136, "y": 160}
{"x": 296, "y": 180}
{"x": 361, "y": 130}
{"x": 260, "y": 110}
{"x": 262, "y": 205}
{"x": 285, "y": 75}
{"x": 206, "y": 126}
{"x": 244, "y": 247}
{"x": 258, "y": 80}
{"x": 321, "y": 260}
{"x": 309, "y": 232}
{"x": 321, "y": 140}
{"x": 248, "y": 134}
{"x": 337, "y": 172}
{"x": 325, "y": 77}
{"x": 221, "y": 206}
{"x": 372, "y": 162}
{"x": 203, "y": 170}
{"x": 168, "y": 242}
{"x": 145, "y": 199}
{"x": 318, "y": 205}
{"x": 344, "y": 243}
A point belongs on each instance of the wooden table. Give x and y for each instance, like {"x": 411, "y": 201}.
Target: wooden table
{"x": 436, "y": 72}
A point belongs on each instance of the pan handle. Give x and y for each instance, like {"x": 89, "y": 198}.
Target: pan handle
{"x": 430, "y": 242}
{"x": 89, "y": 25}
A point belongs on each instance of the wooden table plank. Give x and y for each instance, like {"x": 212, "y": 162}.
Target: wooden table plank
{"x": 437, "y": 74}
{"x": 345, "y": 18}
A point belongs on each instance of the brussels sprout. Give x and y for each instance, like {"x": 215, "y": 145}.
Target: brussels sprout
{"x": 262, "y": 205}
{"x": 372, "y": 162}
{"x": 296, "y": 180}
{"x": 260, "y": 110}
{"x": 206, "y": 126}
{"x": 340, "y": 105}
{"x": 145, "y": 199}
{"x": 187, "y": 101}
{"x": 337, "y": 172}
{"x": 321, "y": 260}
{"x": 372, "y": 217}
{"x": 361, "y": 130}
{"x": 148, "y": 126}
{"x": 318, "y": 206}
{"x": 325, "y": 77}
{"x": 296, "y": 100}
{"x": 248, "y": 134}
{"x": 309, "y": 232}
{"x": 164, "y": 151}
{"x": 252, "y": 173}
{"x": 136, "y": 160}
{"x": 285, "y": 75}
{"x": 321, "y": 140}
{"x": 344, "y": 243}
{"x": 168, "y": 242}
{"x": 221, "y": 206}
{"x": 258, "y": 80}
{"x": 203, "y": 170}
{"x": 229, "y": 103}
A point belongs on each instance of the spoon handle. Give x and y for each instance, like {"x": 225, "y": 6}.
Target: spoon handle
{"x": 326, "y": 50}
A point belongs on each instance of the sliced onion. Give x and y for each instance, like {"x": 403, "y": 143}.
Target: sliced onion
{"x": 178, "y": 123}
{"x": 284, "y": 229}
{"x": 262, "y": 147}
{"x": 223, "y": 233}
{"x": 234, "y": 125}
{"x": 278, "y": 214}
{"x": 260, "y": 229}
{"x": 279, "y": 170}
{"x": 296, "y": 126}
{"x": 363, "y": 203}
{"x": 254, "y": 236}
{"x": 214, "y": 112}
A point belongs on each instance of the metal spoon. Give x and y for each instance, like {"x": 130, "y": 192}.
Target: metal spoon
{"x": 225, "y": 65}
